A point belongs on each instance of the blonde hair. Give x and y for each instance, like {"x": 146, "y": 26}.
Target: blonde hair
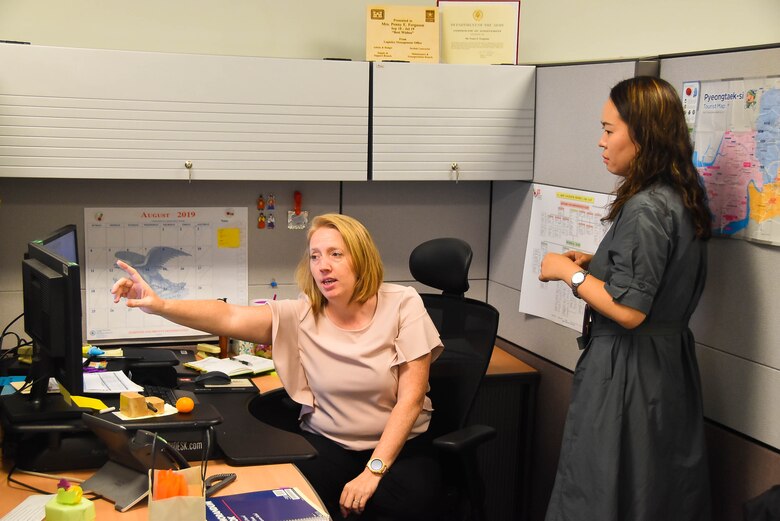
{"x": 363, "y": 254}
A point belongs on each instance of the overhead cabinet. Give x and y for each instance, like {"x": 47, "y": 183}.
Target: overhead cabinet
{"x": 87, "y": 113}
{"x": 445, "y": 122}
{"x": 107, "y": 114}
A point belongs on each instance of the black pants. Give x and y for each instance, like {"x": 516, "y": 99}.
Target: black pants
{"x": 409, "y": 490}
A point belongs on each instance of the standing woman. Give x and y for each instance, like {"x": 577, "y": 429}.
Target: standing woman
{"x": 633, "y": 445}
{"x": 355, "y": 352}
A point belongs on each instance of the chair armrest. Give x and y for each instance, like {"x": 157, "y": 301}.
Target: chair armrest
{"x": 467, "y": 438}
{"x": 277, "y": 409}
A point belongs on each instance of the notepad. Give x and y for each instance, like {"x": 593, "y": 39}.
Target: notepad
{"x": 238, "y": 365}
{"x": 281, "y": 504}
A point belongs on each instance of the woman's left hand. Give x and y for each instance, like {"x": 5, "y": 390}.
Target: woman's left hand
{"x": 556, "y": 266}
{"x": 357, "y": 492}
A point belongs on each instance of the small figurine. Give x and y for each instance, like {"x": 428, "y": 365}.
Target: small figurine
{"x": 261, "y": 221}
{"x": 69, "y": 505}
{"x": 271, "y": 221}
{"x": 271, "y": 202}
{"x": 260, "y": 203}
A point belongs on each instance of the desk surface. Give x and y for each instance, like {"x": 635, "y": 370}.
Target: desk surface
{"x": 500, "y": 363}
{"x": 249, "y": 479}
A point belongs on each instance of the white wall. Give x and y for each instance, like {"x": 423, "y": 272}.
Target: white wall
{"x": 552, "y": 31}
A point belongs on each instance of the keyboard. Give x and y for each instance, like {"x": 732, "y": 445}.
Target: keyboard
{"x": 167, "y": 394}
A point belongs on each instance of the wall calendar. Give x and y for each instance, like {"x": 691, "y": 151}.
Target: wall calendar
{"x": 183, "y": 253}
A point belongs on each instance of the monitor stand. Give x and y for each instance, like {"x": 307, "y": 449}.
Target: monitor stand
{"x": 122, "y": 485}
{"x": 19, "y": 409}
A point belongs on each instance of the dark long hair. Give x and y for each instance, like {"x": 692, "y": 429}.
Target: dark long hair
{"x": 656, "y": 123}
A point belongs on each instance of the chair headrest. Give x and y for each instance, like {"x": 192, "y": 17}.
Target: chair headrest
{"x": 442, "y": 264}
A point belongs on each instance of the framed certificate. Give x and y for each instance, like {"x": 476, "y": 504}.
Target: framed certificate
{"x": 402, "y": 33}
{"x": 479, "y": 32}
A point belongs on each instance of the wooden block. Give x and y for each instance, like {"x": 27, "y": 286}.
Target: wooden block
{"x": 132, "y": 404}
{"x": 156, "y": 402}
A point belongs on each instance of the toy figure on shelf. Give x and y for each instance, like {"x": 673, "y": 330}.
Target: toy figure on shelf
{"x": 271, "y": 202}
{"x": 260, "y": 203}
{"x": 271, "y": 221}
{"x": 261, "y": 221}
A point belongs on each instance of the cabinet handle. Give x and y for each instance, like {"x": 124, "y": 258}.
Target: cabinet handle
{"x": 455, "y": 168}
{"x": 188, "y": 166}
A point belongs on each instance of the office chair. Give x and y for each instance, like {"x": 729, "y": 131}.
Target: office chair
{"x": 468, "y": 330}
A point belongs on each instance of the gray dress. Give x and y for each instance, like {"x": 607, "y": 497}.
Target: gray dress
{"x": 633, "y": 446}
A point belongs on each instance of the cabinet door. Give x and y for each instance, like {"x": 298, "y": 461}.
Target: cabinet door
{"x": 444, "y": 122}
{"x": 88, "y": 113}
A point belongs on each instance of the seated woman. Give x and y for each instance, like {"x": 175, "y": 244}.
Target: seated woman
{"x": 355, "y": 352}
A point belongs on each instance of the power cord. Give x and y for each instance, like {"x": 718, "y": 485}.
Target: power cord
{"x": 14, "y": 468}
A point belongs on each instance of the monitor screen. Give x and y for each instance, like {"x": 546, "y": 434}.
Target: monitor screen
{"x": 63, "y": 243}
{"x": 51, "y": 288}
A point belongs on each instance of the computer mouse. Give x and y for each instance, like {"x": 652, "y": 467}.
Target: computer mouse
{"x": 212, "y": 378}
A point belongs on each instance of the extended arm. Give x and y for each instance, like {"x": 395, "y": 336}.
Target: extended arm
{"x": 412, "y": 386}
{"x": 557, "y": 266}
{"x": 212, "y": 316}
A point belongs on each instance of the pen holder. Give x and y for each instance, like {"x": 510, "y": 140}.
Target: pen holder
{"x": 189, "y": 506}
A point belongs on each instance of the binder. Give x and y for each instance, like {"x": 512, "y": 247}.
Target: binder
{"x": 281, "y": 504}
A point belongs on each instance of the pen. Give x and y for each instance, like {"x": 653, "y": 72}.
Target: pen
{"x": 151, "y": 407}
{"x": 107, "y": 409}
{"x": 240, "y": 361}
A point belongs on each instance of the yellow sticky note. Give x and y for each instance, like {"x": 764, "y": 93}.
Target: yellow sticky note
{"x": 92, "y": 403}
{"x": 228, "y": 238}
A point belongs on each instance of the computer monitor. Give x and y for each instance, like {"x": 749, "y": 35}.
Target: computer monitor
{"x": 51, "y": 287}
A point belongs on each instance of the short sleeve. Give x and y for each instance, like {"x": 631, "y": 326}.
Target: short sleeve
{"x": 638, "y": 252}
{"x": 287, "y": 317}
{"x": 417, "y": 335}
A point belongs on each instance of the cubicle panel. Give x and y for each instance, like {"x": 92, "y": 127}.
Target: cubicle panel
{"x": 86, "y": 113}
{"x": 32, "y": 207}
{"x": 511, "y": 214}
{"x": 440, "y": 122}
{"x": 741, "y": 394}
{"x": 403, "y": 215}
{"x": 568, "y": 124}
{"x": 736, "y": 322}
{"x": 538, "y": 335}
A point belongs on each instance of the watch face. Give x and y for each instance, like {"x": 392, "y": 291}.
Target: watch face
{"x": 376, "y": 465}
{"x": 578, "y": 278}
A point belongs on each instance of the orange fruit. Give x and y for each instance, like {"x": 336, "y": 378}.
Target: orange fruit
{"x": 185, "y": 404}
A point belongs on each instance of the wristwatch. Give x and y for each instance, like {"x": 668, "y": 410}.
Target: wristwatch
{"x": 377, "y": 466}
{"x": 577, "y": 279}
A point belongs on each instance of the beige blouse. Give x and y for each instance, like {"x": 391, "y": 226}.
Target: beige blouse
{"x": 347, "y": 381}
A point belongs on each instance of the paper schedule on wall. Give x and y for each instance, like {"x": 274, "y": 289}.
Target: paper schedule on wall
{"x": 562, "y": 219}
{"x": 183, "y": 253}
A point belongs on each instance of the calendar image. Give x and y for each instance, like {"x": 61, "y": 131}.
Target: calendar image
{"x": 183, "y": 253}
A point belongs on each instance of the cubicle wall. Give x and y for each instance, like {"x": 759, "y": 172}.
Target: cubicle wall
{"x": 568, "y": 125}
{"x": 736, "y": 325}
{"x": 400, "y": 215}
